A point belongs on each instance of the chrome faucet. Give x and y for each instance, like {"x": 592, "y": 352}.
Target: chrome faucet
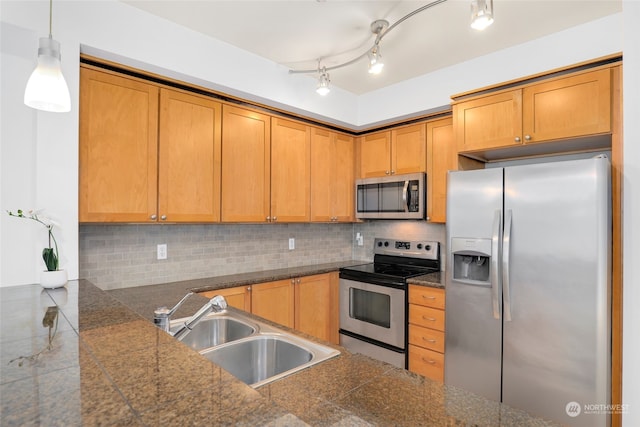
{"x": 162, "y": 315}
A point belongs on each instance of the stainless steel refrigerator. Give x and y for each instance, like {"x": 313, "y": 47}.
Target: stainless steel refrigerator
{"x": 528, "y": 287}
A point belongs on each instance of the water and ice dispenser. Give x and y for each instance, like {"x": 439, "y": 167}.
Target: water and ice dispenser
{"x": 471, "y": 260}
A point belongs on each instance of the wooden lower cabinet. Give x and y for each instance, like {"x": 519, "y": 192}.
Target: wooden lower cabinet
{"x": 274, "y": 301}
{"x": 426, "y": 331}
{"x": 238, "y": 297}
{"x": 308, "y": 304}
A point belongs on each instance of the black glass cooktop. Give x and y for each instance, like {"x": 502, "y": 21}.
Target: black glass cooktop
{"x": 389, "y": 270}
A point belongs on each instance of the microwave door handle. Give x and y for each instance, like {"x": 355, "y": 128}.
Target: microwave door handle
{"x": 405, "y": 196}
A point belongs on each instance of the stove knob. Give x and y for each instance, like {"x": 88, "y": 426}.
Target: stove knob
{"x": 379, "y": 244}
{"x": 386, "y": 244}
{"x": 427, "y": 248}
{"x": 419, "y": 245}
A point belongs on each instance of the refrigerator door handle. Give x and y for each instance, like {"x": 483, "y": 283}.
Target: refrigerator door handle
{"x": 496, "y": 290}
{"x": 506, "y": 247}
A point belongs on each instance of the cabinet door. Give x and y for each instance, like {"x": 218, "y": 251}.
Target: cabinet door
{"x": 315, "y": 302}
{"x": 189, "y": 171}
{"x": 238, "y": 297}
{"x": 118, "y": 148}
{"x": 408, "y": 149}
{"x": 375, "y": 155}
{"x": 489, "y": 122}
{"x": 322, "y": 160}
{"x": 274, "y": 301}
{"x": 568, "y": 107}
{"x": 290, "y": 171}
{"x": 332, "y": 183}
{"x": 343, "y": 179}
{"x": 441, "y": 158}
{"x": 246, "y": 174}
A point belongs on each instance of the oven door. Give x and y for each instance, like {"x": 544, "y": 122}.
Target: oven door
{"x": 373, "y": 311}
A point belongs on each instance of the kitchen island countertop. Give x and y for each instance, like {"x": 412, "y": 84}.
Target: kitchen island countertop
{"x": 109, "y": 365}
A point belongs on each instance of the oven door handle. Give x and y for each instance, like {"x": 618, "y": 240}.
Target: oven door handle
{"x": 405, "y": 195}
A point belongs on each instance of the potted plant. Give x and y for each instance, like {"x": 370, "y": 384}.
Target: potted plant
{"x": 52, "y": 277}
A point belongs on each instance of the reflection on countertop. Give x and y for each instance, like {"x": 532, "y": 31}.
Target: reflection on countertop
{"x": 110, "y": 366}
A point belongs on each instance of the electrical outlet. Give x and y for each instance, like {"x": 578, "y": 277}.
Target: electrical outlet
{"x": 359, "y": 239}
{"x": 162, "y": 251}
{"x": 292, "y": 243}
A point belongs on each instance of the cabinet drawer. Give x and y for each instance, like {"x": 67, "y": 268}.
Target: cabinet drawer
{"x": 429, "y": 297}
{"x": 426, "y": 362}
{"x": 427, "y": 338}
{"x": 426, "y": 316}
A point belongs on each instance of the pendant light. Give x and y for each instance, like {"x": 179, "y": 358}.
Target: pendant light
{"x": 47, "y": 89}
{"x": 323, "y": 82}
{"x": 481, "y": 14}
{"x": 375, "y": 60}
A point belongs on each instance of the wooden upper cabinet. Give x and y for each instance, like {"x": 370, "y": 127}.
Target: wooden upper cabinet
{"x": 399, "y": 151}
{"x": 189, "y": 171}
{"x": 118, "y": 148}
{"x": 246, "y": 165}
{"x": 441, "y": 157}
{"x": 332, "y": 182}
{"x": 375, "y": 155}
{"x": 489, "y": 122}
{"x": 408, "y": 149}
{"x": 274, "y": 301}
{"x": 559, "y": 108}
{"x": 568, "y": 107}
{"x": 290, "y": 171}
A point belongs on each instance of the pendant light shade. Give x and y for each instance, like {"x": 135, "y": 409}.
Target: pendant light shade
{"x": 323, "y": 83}
{"x": 47, "y": 89}
{"x": 375, "y": 60}
{"x": 481, "y": 14}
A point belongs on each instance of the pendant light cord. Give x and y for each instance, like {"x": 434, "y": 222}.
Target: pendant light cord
{"x": 50, "y": 18}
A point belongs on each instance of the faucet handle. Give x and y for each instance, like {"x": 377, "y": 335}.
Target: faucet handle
{"x": 218, "y": 302}
{"x": 162, "y": 314}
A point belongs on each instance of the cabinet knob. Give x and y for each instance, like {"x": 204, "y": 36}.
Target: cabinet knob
{"x": 154, "y": 217}
{"x": 393, "y": 172}
{"x": 163, "y": 217}
{"x": 268, "y": 218}
{"x": 517, "y": 139}
{"x": 386, "y": 172}
{"x": 249, "y": 288}
{"x": 274, "y": 219}
{"x": 527, "y": 137}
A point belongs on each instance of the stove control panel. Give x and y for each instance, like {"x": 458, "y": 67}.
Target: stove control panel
{"x": 409, "y": 248}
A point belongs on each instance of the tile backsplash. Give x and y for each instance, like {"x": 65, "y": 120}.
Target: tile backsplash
{"x": 119, "y": 256}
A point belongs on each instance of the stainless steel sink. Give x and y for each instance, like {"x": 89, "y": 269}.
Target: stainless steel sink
{"x": 214, "y": 330}
{"x": 267, "y": 357}
{"x": 254, "y": 352}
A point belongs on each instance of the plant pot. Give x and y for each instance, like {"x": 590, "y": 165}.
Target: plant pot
{"x": 53, "y": 279}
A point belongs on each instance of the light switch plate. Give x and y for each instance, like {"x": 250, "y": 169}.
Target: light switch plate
{"x": 292, "y": 243}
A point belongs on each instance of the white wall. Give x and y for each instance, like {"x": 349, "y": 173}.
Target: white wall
{"x": 631, "y": 213}
{"x": 38, "y": 151}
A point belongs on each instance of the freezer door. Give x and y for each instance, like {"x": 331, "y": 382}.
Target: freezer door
{"x": 556, "y": 346}
{"x": 473, "y": 334}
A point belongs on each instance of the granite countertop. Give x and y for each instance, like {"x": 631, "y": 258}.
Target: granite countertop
{"x": 433, "y": 280}
{"x": 108, "y": 365}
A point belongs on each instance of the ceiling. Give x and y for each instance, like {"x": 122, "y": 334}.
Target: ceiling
{"x": 295, "y": 33}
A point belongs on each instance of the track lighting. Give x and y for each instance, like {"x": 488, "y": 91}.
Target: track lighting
{"x": 375, "y": 60}
{"x": 481, "y": 14}
{"x": 323, "y": 82}
{"x": 47, "y": 89}
{"x": 481, "y": 18}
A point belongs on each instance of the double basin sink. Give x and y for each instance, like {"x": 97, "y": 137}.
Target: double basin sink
{"x": 254, "y": 352}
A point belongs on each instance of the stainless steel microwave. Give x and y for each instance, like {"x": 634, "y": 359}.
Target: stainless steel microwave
{"x": 392, "y": 197}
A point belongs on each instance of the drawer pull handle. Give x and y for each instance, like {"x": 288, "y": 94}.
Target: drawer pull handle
{"x": 430, "y": 319}
{"x": 428, "y": 297}
{"x": 428, "y": 340}
{"x": 432, "y": 362}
